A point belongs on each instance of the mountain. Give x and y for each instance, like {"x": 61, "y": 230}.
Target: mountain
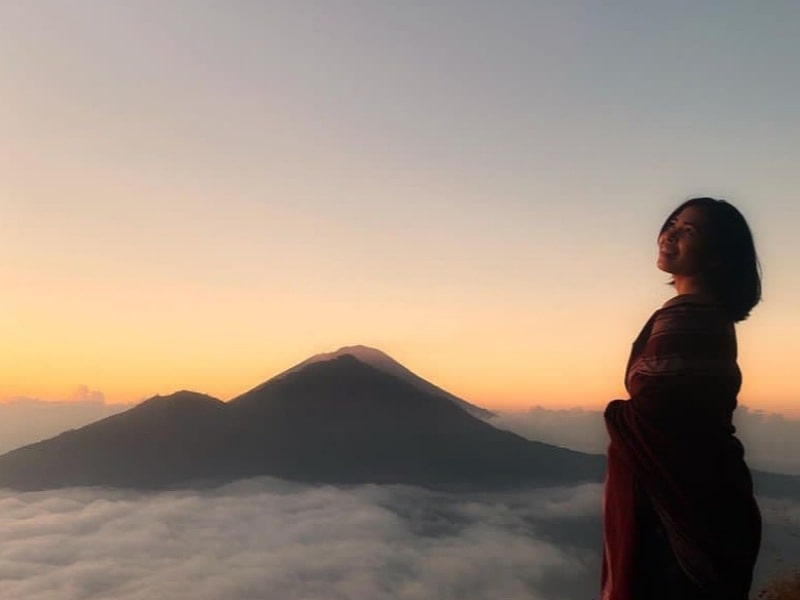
{"x": 347, "y": 420}
{"x": 337, "y": 421}
{"x": 162, "y": 440}
{"x": 383, "y": 362}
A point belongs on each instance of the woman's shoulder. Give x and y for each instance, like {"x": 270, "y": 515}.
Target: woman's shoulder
{"x": 690, "y": 300}
{"x": 690, "y": 313}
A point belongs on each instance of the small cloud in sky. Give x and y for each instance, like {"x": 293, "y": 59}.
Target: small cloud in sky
{"x": 82, "y": 393}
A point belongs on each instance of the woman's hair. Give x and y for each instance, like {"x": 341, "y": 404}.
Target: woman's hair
{"x": 735, "y": 275}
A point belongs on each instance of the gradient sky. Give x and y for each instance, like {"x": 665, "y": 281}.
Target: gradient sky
{"x": 199, "y": 194}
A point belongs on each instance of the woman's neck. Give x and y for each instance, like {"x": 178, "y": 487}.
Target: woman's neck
{"x": 690, "y": 285}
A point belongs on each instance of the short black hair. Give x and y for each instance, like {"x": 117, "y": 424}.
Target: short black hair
{"x": 735, "y": 278}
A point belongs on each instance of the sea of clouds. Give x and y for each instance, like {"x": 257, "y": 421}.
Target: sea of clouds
{"x": 266, "y": 538}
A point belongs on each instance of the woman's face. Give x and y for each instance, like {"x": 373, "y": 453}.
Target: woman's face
{"x": 682, "y": 245}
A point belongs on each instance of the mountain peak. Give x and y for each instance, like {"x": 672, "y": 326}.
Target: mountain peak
{"x": 180, "y": 398}
{"x": 366, "y": 354}
{"x": 383, "y": 362}
{"x": 182, "y": 395}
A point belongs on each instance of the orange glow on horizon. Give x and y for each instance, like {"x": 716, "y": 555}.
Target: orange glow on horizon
{"x": 493, "y": 382}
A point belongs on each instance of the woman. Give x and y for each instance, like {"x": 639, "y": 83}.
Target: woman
{"x": 680, "y": 518}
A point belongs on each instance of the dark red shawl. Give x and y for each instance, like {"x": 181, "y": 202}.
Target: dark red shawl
{"x": 673, "y": 441}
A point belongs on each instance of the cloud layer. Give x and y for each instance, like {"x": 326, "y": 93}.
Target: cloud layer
{"x": 267, "y": 539}
{"x": 263, "y": 538}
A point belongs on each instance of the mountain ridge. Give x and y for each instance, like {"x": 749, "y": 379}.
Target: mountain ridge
{"x": 336, "y": 421}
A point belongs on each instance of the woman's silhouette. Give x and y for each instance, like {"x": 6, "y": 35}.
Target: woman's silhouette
{"x": 680, "y": 518}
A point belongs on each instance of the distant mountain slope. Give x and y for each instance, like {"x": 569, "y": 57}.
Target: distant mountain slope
{"x": 163, "y": 440}
{"x": 383, "y": 362}
{"x": 340, "y": 421}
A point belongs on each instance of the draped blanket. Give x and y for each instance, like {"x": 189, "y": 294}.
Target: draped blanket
{"x": 672, "y": 444}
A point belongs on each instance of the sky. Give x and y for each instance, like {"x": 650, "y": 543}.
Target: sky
{"x": 381, "y": 542}
{"x": 200, "y": 195}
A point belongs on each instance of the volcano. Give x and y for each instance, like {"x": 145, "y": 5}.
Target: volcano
{"x": 331, "y": 420}
{"x": 383, "y": 362}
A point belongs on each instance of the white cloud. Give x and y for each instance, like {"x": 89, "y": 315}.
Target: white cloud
{"x": 268, "y": 539}
{"x": 82, "y": 393}
{"x": 264, "y": 538}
